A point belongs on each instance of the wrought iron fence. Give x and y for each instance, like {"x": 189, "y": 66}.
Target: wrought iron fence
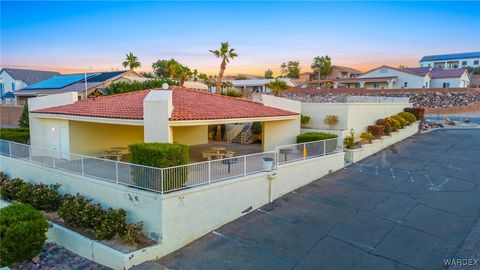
{"x": 170, "y": 179}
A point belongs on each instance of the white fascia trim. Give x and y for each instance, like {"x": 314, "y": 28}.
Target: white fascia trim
{"x": 114, "y": 121}
{"x": 229, "y": 121}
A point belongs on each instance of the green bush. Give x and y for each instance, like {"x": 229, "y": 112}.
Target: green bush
{"x": 22, "y": 233}
{"x": 112, "y": 223}
{"x": 400, "y": 119}
{"x": 419, "y": 113}
{"x": 314, "y": 136}
{"x": 304, "y": 120}
{"x": 125, "y": 87}
{"x": 24, "y": 121}
{"x": 387, "y": 128}
{"x": 20, "y": 135}
{"x": 367, "y": 136}
{"x": 376, "y": 130}
{"x": 41, "y": 196}
{"x": 256, "y": 128}
{"x": 79, "y": 212}
{"x": 131, "y": 233}
{"x": 233, "y": 93}
{"x": 349, "y": 141}
{"x": 161, "y": 155}
{"x": 394, "y": 124}
{"x": 408, "y": 116}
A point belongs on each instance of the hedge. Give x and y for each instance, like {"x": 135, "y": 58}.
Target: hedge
{"x": 387, "y": 128}
{"x": 161, "y": 155}
{"x": 419, "y": 113}
{"x": 408, "y": 116}
{"x": 400, "y": 119}
{"x": 20, "y": 135}
{"x": 376, "y": 130}
{"x": 394, "y": 124}
{"x": 22, "y": 233}
{"x": 314, "y": 136}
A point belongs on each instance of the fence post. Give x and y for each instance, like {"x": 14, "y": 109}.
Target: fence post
{"x": 81, "y": 161}
{"x": 304, "y": 151}
{"x": 30, "y": 152}
{"x": 10, "y": 149}
{"x": 53, "y": 158}
{"x": 116, "y": 172}
{"x": 324, "y": 147}
{"x": 161, "y": 180}
{"x": 209, "y": 172}
{"x": 244, "y": 165}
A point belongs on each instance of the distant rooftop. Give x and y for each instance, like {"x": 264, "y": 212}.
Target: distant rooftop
{"x": 29, "y": 76}
{"x": 452, "y": 56}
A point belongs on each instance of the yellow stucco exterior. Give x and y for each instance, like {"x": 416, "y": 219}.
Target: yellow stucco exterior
{"x": 190, "y": 135}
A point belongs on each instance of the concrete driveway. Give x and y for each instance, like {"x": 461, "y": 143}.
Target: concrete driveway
{"x": 409, "y": 207}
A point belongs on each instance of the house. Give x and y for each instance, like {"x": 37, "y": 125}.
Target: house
{"x": 258, "y": 85}
{"x": 12, "y": 79}
{"x": 386, "y": 77}
{"x": 451, "y": 61}
{"x": 338, "y": 72}
{"x": 63, "y": 123}
{"x": 95, "y": 86}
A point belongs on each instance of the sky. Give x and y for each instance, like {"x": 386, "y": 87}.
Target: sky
{"x": 95, "y": 36}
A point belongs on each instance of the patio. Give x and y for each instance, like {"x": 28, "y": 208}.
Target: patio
{"x": 195, "y": 151}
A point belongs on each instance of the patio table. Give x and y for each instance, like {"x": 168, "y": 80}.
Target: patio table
{"x": 218, "y": 149}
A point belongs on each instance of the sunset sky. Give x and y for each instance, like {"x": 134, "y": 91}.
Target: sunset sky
{"x": 82, "y": 36}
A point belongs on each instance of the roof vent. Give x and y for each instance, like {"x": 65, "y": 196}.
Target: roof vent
{"x": 165, "y": 86}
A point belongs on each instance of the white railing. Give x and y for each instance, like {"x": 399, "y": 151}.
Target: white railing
{"x": 173, "y": 178}
{"x": 232, "y": 133}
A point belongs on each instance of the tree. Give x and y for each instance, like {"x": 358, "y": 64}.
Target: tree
{"x": 131, "y": 61}
{"x": 160, "y": 68}
{"x": 268, "y": 74}
{"x": 226, "y": 54}
{"x": 182, "y": 73}
{"x": 277, "y": 85}
{"x": 24, "y": 122}
{"x": 322, "y": 65}
{"x": 172, "y": 66}
{"x": 147, "y": 74}
{"x": 402, "y": 66}
{"x": 203, "y": 77}
{"x": 291, "y": 69}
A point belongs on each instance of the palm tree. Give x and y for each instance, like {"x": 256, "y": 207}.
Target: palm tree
{"x": 226, "y": 54}
{"x": 172, "y": 66}
{"x": 182, "y": 73}
{"x": 277, "y": 85}
{"x": 131, "y": 61}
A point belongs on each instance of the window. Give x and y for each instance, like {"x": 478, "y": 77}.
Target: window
{"x": 475, "y": 62}
{"x": 1, "y": 89}
{"x": 13, "y": 86}
{"x": 446, "y": 85}
{"x": 375, "y": 85}
{"x": 464, "y": 63}
{"x": 405, "y": 84}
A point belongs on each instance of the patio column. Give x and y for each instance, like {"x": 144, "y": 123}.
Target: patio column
{"x": 362, "y": 84}
{"x": 157, "y": 108}
{"x": 390, "y": 84}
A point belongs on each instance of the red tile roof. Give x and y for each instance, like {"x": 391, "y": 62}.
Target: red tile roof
{"x": 187, "y": 105}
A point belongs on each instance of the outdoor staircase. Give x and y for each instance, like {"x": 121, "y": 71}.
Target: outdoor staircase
{"x": 245, "y": 136}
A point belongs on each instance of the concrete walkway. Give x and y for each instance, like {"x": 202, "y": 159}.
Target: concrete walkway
{"x": 411, "y": 206}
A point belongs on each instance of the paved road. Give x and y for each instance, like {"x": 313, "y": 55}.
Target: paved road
{"x": 409, "y": 207}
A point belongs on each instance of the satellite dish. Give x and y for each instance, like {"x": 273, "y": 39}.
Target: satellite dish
{"x": 165, "y": 86}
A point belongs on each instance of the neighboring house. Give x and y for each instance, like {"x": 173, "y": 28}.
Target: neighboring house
{"x": 96, "y": 84}
{"x": 12, "y": 79}
{"x": 451, "y": 61}
{"x": 178, "y": 115}
{"x": 386, "y": 77}
{"x": 338, "y": 72}
{"x": 258, "y": 85}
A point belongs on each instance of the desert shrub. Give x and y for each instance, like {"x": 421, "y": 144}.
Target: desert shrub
{"x": 125, "y": 87}
{"x": 161, "y": 155}
{"x": 387, "y": 127}
{"x": 376, "y": 130}
{"x": 79, "y": 212}
{"x": 111, "y": 223}
{"x": 256, "y": 128}
{"x": 331, "y": 121}
{"x": 20, "y": 135}
{"x": 419, "y": 113}
{"x": 394, "y": 124}
{"x": 366, "y": 136}
{"x": 22, "y": 233}
{"x": 349, "y": 141}
{"x": 314, "y": 136}
{"x": 3, "y": 178}
{"x": 304, "y": 120}
{"x": 408, "y": 116}
{"x": 40, "y": 196}
{"x": 131, "y": 233}
{"x": 400, "y": 119}
{"x": 233, "y": 93}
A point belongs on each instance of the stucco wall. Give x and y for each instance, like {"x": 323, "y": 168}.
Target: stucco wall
{"x": 463, "y": 81}
{"x": 190, "y": 135}
{"x": 413, "y": 81}
{"x": 276, "y": 133}
{"x": 92, "y": 139}
{"x": 140, "y": 205}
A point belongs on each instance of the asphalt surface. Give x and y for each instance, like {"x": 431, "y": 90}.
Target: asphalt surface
{"x": 410, "y": 206}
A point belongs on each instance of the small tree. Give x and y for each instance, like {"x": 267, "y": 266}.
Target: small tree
{"x": 304, "y": 120}
{"x": 268, "y": 74}
{"x": 22, "y": 232}
{"x": 23, "y": 122}
{"x": 277, "y": 85}
{"x": 331, "y": 121}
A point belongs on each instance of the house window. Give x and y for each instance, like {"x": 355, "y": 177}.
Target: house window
{"x": 475, "y": 62}
{"x": 1, "y": 89}
{"x": 13, "y": 86}
{"x": 375, "y": 85}
{"x": 464, "y": 63}
{"x": 405, "y": 84}
{"x": 446, "y": 85}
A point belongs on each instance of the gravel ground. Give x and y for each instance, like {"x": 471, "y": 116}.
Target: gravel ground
{"x": 56, "y": 257}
